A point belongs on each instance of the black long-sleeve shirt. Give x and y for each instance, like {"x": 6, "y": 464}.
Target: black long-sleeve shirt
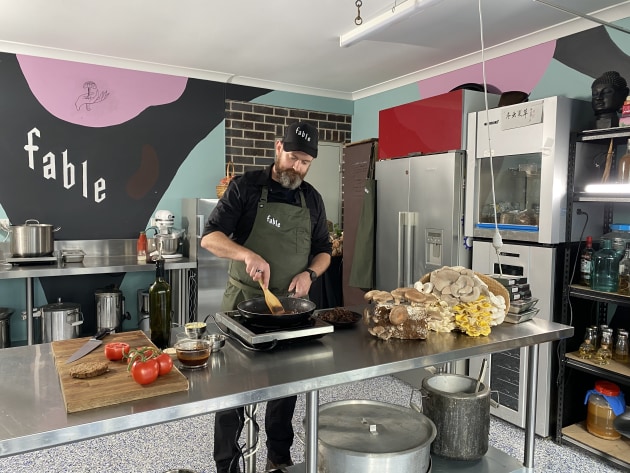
{"x": 235, "y": 212}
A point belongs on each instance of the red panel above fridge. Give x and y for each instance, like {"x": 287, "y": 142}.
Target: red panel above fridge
{"x": 432, "y": 125}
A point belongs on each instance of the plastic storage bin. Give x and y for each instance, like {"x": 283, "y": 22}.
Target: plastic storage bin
{"x": 619, "y": 235}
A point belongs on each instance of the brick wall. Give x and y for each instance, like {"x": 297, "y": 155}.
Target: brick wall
{"x": 251, "y": 131}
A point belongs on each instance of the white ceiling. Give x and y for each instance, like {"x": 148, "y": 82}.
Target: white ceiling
{"x": 289, "y": 45}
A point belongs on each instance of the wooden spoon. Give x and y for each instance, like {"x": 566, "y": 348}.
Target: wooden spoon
{"x": 274, "y": 304}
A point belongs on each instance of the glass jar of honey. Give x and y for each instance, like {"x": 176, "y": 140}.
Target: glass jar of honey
{"x": 603, "y": 401}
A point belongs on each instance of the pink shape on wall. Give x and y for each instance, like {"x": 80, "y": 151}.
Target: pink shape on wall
{"x": 96, "y": 96}
{"x": 516, "y": 71}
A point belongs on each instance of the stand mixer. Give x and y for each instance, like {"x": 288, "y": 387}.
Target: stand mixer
{"x": 166, "y": 235}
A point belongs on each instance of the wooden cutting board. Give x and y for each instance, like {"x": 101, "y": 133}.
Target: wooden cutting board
{"x": 114, "y": 387}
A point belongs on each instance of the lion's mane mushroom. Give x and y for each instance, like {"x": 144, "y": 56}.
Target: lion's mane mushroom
{"x": 398, "y": 315}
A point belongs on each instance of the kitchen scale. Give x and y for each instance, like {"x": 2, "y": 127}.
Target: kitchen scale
{"x": 256, "y": 336}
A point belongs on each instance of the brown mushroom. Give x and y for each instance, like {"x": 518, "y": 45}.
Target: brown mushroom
{"x": 399, "y": 294}
{"x": 415, "y": 297}
{"x": 398, "y": 315}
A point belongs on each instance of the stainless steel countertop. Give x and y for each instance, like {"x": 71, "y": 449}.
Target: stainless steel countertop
{"x": 92, "y": 265}
{"x": 33, "y": 416}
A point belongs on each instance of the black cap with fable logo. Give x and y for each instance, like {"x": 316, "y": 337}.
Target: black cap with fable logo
{"x": 301, "y": 136}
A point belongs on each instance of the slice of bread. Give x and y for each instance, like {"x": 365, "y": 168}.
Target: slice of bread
{"x": 89, "y": 369}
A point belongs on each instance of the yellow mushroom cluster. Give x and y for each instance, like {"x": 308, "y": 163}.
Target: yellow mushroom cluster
{"x": 474, "y": 318}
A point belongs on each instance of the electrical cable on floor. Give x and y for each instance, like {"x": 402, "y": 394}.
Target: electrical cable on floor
{"x": 497, "y": 241}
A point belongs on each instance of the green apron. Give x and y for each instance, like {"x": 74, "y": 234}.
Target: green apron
{"x": 282, "y": 235}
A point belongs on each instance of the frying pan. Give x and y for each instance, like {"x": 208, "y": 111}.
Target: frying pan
{"x": 258, "y": 313}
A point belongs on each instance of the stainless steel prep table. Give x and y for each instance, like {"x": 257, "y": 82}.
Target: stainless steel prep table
{"x": 91, "y": 265}
{"x": 33, "y": 414}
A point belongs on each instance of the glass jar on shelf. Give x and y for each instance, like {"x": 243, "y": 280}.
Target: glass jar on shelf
{"x": 589, "y": 345}
{"x": 603, "y": 355}
{"x": 624, "y": 273}
{"x": 605, "y": 272}
{"x": 605, "y": 402}
{"x": 621, "y": 347}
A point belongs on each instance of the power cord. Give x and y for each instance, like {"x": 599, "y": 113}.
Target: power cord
{"x": 497, "y": 241}
{"x": 575, "y": 263}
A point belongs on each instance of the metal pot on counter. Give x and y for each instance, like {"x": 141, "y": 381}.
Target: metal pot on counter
{"x": 62, "y": 321}
{"x": 5, "y": 327}
{"x": 372, "y": 436}
{"x": 32, "y": 239}
{"x": 110, "y": 309}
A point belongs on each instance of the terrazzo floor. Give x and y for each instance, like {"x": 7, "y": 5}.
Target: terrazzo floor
{"x": 188, "y": 443}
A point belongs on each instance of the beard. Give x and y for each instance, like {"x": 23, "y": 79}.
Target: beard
{"x": 289, "y": 178}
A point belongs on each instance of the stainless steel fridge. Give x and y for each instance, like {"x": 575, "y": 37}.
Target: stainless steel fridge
{"x": 210, "y": 278}
{"x": 419, "y": 226}
{"x": 419, "y": 217}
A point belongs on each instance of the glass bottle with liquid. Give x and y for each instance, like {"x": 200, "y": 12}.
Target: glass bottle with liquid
{"x": 160, "y": 307}
{"x": 603, "y": 355}
{"x": 141, "y": 247}
{"x": 586, "y": 262}
{"x": 588, "y": 346}
{"x": 605, "y": 272}
{"x": 621, "y": 347}
{"x": 623, "y": 167}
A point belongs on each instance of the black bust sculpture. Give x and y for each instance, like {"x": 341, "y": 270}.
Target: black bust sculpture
{"x": 609, "y": 91}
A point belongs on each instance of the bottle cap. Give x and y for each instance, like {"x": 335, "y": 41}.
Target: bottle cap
{"x": 607, "y": 388}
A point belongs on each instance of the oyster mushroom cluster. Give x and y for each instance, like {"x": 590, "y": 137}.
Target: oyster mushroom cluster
{"x": 474, "y": 306}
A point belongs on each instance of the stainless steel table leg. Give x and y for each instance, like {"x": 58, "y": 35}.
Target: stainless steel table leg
{"x": 29, "y": 311}
{"x": 312, "y": 421}
{"x": 250, "y": 459}
{"x": 530, "y": 411}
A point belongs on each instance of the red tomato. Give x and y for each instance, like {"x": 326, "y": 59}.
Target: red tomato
{"x": 166, "y": 363}
{"x": 116, "y": 350}
{"x": 145, "y": 372}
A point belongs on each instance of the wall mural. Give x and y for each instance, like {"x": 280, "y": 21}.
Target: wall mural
{"x": 92, "y": 149}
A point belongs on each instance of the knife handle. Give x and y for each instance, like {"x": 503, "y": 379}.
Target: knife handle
{"x": 101, "y": 333}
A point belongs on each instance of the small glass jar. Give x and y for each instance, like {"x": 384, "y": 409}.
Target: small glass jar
{"x": 588, "y": 346}
{"x": 599, "y": 415}
{"x": 621, "y": 347}
{"x": 603, "y": 355}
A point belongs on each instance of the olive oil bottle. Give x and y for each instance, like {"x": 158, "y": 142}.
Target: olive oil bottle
{"x": 160, "y": 307}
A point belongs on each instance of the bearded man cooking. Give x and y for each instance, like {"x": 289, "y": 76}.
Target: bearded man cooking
{"x": 272, "y": 226}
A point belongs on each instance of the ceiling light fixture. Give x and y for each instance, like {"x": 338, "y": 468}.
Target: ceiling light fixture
{"x": 382, "y": 21}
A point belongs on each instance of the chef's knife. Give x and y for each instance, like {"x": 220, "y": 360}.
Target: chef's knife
{"x": 90, "y": 345}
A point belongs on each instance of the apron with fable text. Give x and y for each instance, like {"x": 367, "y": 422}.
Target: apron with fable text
{"x": 281, "y": 234}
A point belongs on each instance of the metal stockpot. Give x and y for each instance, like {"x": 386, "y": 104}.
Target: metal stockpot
{"x": 5, "y": 327}
{"x": 62, "y": 321}
{"x": 461, "y": 415}
{"x": 32, "y": 239}
{"x": 373, "y": 437}
{"x": 38, "y": 324}
{"x": 110, "y": 309}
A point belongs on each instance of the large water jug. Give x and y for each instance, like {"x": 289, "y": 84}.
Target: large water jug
{"x": 605, "y": 270}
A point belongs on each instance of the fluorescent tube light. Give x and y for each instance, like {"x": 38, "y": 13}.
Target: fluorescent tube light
{"x": 394, "y": 14}
{"x": 607, "y": 188}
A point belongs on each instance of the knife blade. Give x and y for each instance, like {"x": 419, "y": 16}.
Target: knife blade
{"x": 90, "y": 345}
